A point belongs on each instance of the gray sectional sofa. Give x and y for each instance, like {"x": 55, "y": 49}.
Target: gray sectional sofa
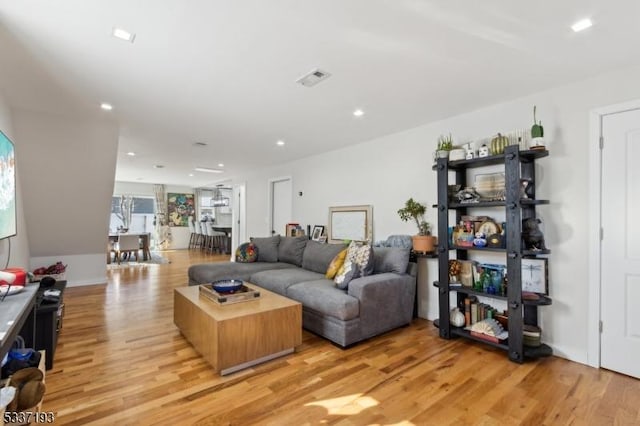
{"x": 295, "y": 267}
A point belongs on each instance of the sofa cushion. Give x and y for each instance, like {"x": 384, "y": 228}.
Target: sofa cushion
{"x": 317, "y": 256}
{"x": 278, "y": 280}
{"x": 335, "y": 265}
{"x": 209, "y": 272}
{"x": 322, "y": 296}
{"x": 391, "y": 259}
{"x": 267, "y": 248}
{"x": 246, "y": 253}
{"x": 291, "y": 249}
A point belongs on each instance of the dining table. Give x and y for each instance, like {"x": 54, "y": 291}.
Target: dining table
{"x": 144, "y": 238}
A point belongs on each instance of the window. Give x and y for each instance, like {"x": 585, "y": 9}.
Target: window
{"x": 142, "y": 217}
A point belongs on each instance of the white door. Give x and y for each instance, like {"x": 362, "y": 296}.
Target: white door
{"x": 281, "y": 205}
{"x": 620, "y": 279}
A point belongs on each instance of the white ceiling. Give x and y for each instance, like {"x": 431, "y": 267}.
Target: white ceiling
{"x": 223, "y": 72}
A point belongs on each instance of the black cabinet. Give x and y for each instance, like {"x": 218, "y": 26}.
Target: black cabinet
{"x": 48, "y": 322}
{"x": 518, "y": 165}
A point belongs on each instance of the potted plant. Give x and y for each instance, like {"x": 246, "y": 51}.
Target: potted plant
{"x": 424, "y": 241}
{"x": 445, "y": 144}
{"x": 537, "y": 133}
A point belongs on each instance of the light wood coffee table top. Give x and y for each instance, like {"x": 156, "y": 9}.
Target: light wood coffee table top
{"x": 235, "y": 336}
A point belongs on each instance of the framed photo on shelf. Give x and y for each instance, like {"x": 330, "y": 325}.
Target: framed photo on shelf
{"x": 318, "y": 230}
{"x": 535, "y": 275}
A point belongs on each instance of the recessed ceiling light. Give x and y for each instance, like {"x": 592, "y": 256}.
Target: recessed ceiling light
{"x": 582, "y": 25}
{"x": 158, "y": 166}
{"x": 123, "y": 34}
{"x": 358, "y": 113}
{"x": 220, "y": 164}
{"x": 280, "y": 143}
{"x": 190, "y": 174}
{"x": 131, "y": 154}
{"x": 105, "y": 106}
{"x": 207, "y": 170}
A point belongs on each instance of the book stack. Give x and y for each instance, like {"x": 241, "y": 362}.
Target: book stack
{"x": 294, "y": 230}
{"x": 475, "y": 311}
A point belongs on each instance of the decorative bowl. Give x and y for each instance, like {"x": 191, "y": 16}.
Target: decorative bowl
{"x": 227, "y": 286}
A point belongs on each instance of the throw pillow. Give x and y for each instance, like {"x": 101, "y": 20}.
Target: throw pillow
{"x": 246, "y": 253}
{"x": 267, "y": 248}
{"x": 347, "y": 272}
{"x": 335, "y": 264}
{"x": 363, "y": 257}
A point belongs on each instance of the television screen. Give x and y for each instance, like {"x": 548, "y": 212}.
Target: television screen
{"x": 7, "y": 188}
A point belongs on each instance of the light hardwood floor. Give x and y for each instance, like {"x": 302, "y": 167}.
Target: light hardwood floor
{"x": 121, "y": 360}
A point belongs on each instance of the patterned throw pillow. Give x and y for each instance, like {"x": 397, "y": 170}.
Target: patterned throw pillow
{"x": 246, "y": 253}
{"x": 363, "y": 257}
{"x": 335, "y": 264}
{"x": 358, "y": 263}
{"x": 347, "y": 272}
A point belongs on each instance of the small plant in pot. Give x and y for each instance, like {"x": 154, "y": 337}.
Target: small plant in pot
{"x": 445, "y": 144}
{"x": 413, "y": 210}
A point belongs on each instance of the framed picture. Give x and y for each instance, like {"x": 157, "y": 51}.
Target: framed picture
{"x": 317, "y": 232}
{"x": 350, "y": 223}
{"x": 179, "y": 208}
{"x": 535, "y": 276}
{"x": 322, "y": 239}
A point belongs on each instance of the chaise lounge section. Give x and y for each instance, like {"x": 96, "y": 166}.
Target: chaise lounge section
{"x": 295, "y": 267}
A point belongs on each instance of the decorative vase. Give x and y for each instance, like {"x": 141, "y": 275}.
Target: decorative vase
{"x": 456, "y": 318}
{"x": 423, "y": 243}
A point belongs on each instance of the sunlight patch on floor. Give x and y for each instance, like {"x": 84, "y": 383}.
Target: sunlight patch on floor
{"x": 346, "y": 405}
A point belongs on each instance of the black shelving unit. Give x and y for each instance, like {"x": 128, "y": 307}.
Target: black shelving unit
{"x": 517, "y": 165}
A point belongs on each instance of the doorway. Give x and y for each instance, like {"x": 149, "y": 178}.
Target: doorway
{"x": 239, "y": 217}
{"x": 618, "y": 245}
{"x": 281, "y": 204}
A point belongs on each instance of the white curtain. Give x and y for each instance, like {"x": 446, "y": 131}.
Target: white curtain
{"x": 162, "y": 231}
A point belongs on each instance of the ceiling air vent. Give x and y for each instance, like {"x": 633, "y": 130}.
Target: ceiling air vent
{"x": 313, "y": 78}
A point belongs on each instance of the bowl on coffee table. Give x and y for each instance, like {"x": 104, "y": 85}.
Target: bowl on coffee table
{"x": 227, "y": 285}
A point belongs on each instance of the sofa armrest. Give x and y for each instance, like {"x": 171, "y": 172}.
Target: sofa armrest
{"x": 386, "y": 301}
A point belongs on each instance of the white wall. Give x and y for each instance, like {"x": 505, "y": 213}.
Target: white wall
{"x": 67, "y": 181}
{"x": 179, "y": 234}
{"x": 386, "y": 171}
{"x": 19, "y": 253}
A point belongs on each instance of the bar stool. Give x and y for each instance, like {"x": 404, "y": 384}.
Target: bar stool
{"x": 192, "y": 230}
{"x": 199, "y": 235}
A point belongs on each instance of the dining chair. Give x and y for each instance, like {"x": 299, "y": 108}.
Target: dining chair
{"x": 129, "y": 244}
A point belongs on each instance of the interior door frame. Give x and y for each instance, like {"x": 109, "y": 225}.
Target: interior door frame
{"x": 272, "y": 181}
{"x": 238, "y": 216}
{"x": 594, "y": 312}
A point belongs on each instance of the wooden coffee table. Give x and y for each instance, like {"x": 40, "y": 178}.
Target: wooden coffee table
{"x": 236, "y": 336}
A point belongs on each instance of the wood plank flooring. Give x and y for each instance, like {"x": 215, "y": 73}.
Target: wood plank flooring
{"x": 120, "y": 360}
